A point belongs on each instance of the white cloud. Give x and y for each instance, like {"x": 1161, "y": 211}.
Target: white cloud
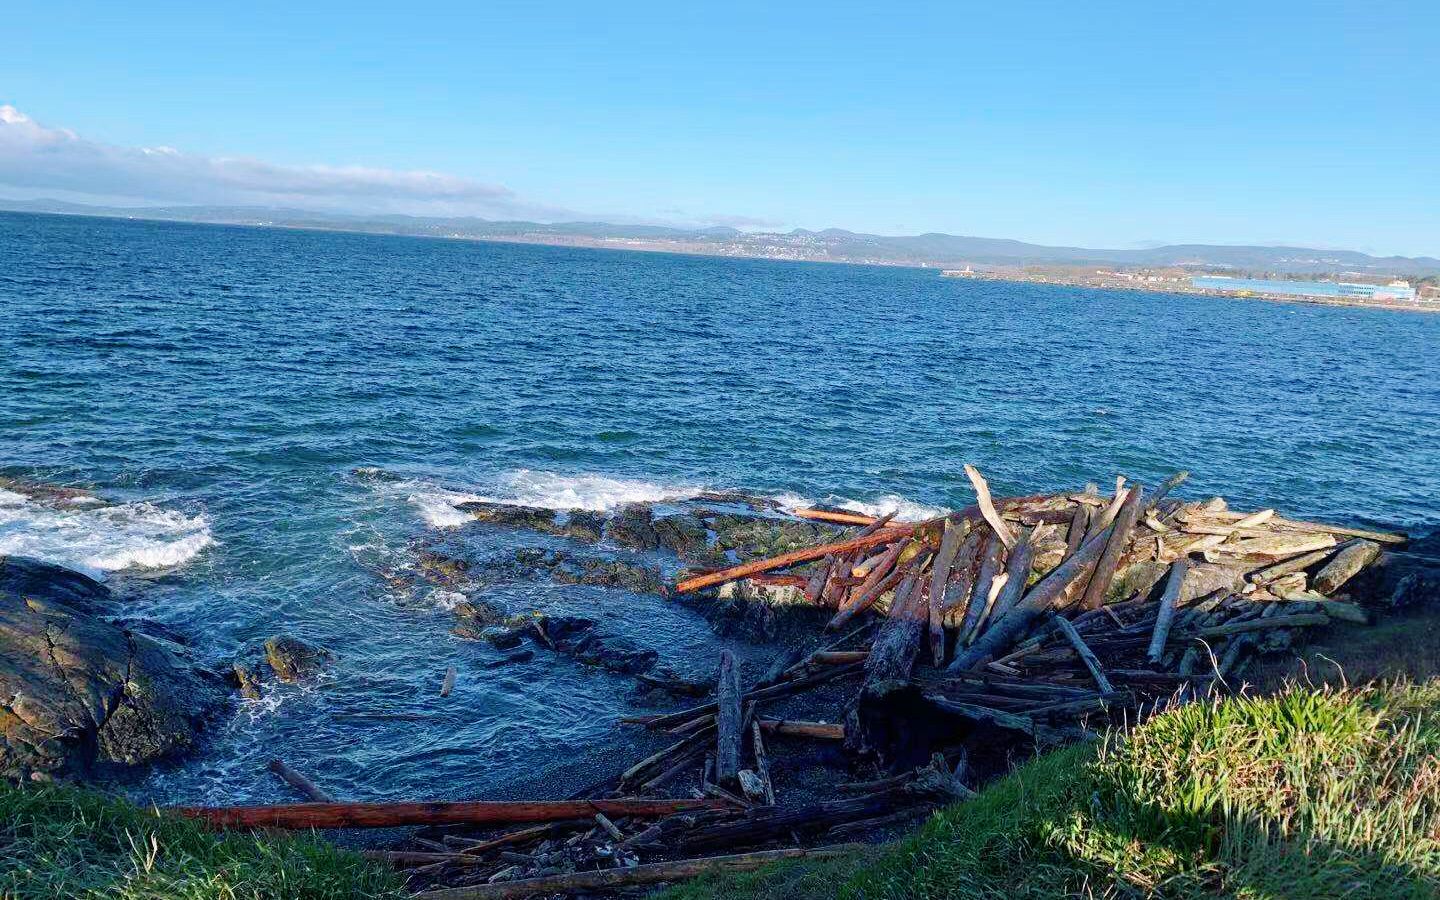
{"x": 35, "y": 157}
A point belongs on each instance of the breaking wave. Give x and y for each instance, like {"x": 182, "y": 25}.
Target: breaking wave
{"x": 99, "y": 539}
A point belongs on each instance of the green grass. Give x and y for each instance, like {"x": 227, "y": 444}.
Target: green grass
{"x": 1305, "y": 794}
{"x": 70, "y": 842}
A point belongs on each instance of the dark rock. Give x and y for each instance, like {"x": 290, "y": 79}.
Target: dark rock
{"x": 584, "y": 525}
{"x": 28, "y": 577}
{"x": 754, "y": 537}
{"x": 441, "y": 568}
{"x": 758, "y": 612}
{"x": 294, "y": 660}
{"x": 478, "y": 612}
{"x": 511, "y": 515}
{"x": 77, "y": 692}
{"x": 634, "y": 528}
{"x": 683, "y": 534}
{"x": 247, "y": 681}
{"x": 499, "y": 636}
{"x": 613, "y": 573}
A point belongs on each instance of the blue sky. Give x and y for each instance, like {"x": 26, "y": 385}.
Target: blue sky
{"x": 1094, "y": 124}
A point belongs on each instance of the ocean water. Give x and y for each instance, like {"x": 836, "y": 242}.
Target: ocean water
{"x": 278, "y": 416}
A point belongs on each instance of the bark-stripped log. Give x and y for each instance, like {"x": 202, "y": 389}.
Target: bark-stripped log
{"x": 1104, "y": 573}
{"x": 1166, "y": 615}
{"x": 728, "y": 721}
{"x": 987, "y": 506}
{"x": 1053, "y": 591}
{"x": 939, "y": 581}
{"x": 1349, "y": 560}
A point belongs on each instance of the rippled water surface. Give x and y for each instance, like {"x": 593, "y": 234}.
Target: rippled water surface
{"x": 223, "y": 386}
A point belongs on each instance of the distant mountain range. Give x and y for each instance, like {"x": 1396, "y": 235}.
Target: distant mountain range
{"x": 830, "y": 245}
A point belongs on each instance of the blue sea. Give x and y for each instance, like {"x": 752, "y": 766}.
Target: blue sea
{"x": 277, "y": 416}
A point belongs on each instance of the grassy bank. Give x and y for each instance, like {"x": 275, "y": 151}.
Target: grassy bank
{"x": 1305, "y": 794}
{"x": 67, "y": 842}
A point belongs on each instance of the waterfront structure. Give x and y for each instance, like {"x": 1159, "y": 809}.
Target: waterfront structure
{"x": 1323, "y": 290}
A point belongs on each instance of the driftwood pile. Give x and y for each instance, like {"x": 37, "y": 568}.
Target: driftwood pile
{"x": 955, "y": 645}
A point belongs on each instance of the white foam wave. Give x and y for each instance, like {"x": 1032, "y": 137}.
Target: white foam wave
{"x": 905, "y": 510}
{"x": 600, "y": 493}
{"x": 98, "y": 539}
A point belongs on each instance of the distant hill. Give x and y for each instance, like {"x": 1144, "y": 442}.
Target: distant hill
{"x": 829, "y": 245}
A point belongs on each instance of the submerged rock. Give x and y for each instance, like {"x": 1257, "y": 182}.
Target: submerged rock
{"x": 77, "y": 692}
{"x": 294, "y": 660}
{"x": 584, "y": 525}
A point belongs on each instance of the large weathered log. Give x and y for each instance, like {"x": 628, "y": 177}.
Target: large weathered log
{"x": 823, "y": 731}
{"x": 990, "y": 559}
{"x": 1102, "y": 520}
{"x": 1017, "y": 573}
{"x": 892, "y": 655}
{"x": 1079, "y": 521}
{"x": 795, "y": 557}
{"x": 1352, "y": 557}
{"x": 1053, "y": 591}
{"x": 728, "y": 721}
{"x": 1104, "y": 573}
{"x": 299, "y": 782}
{"x": 762, "y": 763}
{"x": 1287, "y": 566}
{"x": 394, "y": 815}
{"x": 1314, "y": 527}
{"x": 955, "y": 534}
{"x": 987, "y": 506}
{"x": 1162, "y": 491}
{"x": 1276, "y": 545}
{"x": 1166, "y": 615}
{"x": 607, "y": 880}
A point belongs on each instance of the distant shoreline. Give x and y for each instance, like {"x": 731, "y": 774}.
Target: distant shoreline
{"x": 1179, "y": 290}
{"x": 682, "y": 248}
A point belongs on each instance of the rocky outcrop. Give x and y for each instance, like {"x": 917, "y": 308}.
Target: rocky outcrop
{"x": 293, "y": 660}
{"x": 569, "y": 635}
{"x": 77, "y": 693}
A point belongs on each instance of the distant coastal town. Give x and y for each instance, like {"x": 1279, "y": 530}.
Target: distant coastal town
{"x": 1393, "y": 293}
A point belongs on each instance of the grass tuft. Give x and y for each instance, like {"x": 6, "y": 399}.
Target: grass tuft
{"x": 1309, "y": 793}
{"x": 71, "y": 842}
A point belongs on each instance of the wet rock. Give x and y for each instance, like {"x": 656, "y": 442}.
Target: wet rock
{"x": 28, "y": 577}
{"x": 511, "y": 516}
{"x": 441, "y": 568}
{"x": 683, "y": 534}
{"x": 294, "y": 660}
{"x": 753, "y": 537}
{"x": 584, "y": 525}
{"x": 247, "y": 681}
{"x": 634, "y": 527}
{"x": 759, "y": 612}
{"x": 576, "y": 637}
{"x": 612, "y": 573}
{"x": 478, "y": 612}
{"x": 78, "y": 693}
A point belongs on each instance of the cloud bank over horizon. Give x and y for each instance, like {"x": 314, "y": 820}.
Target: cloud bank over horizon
{"x": 36, "y": 158}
